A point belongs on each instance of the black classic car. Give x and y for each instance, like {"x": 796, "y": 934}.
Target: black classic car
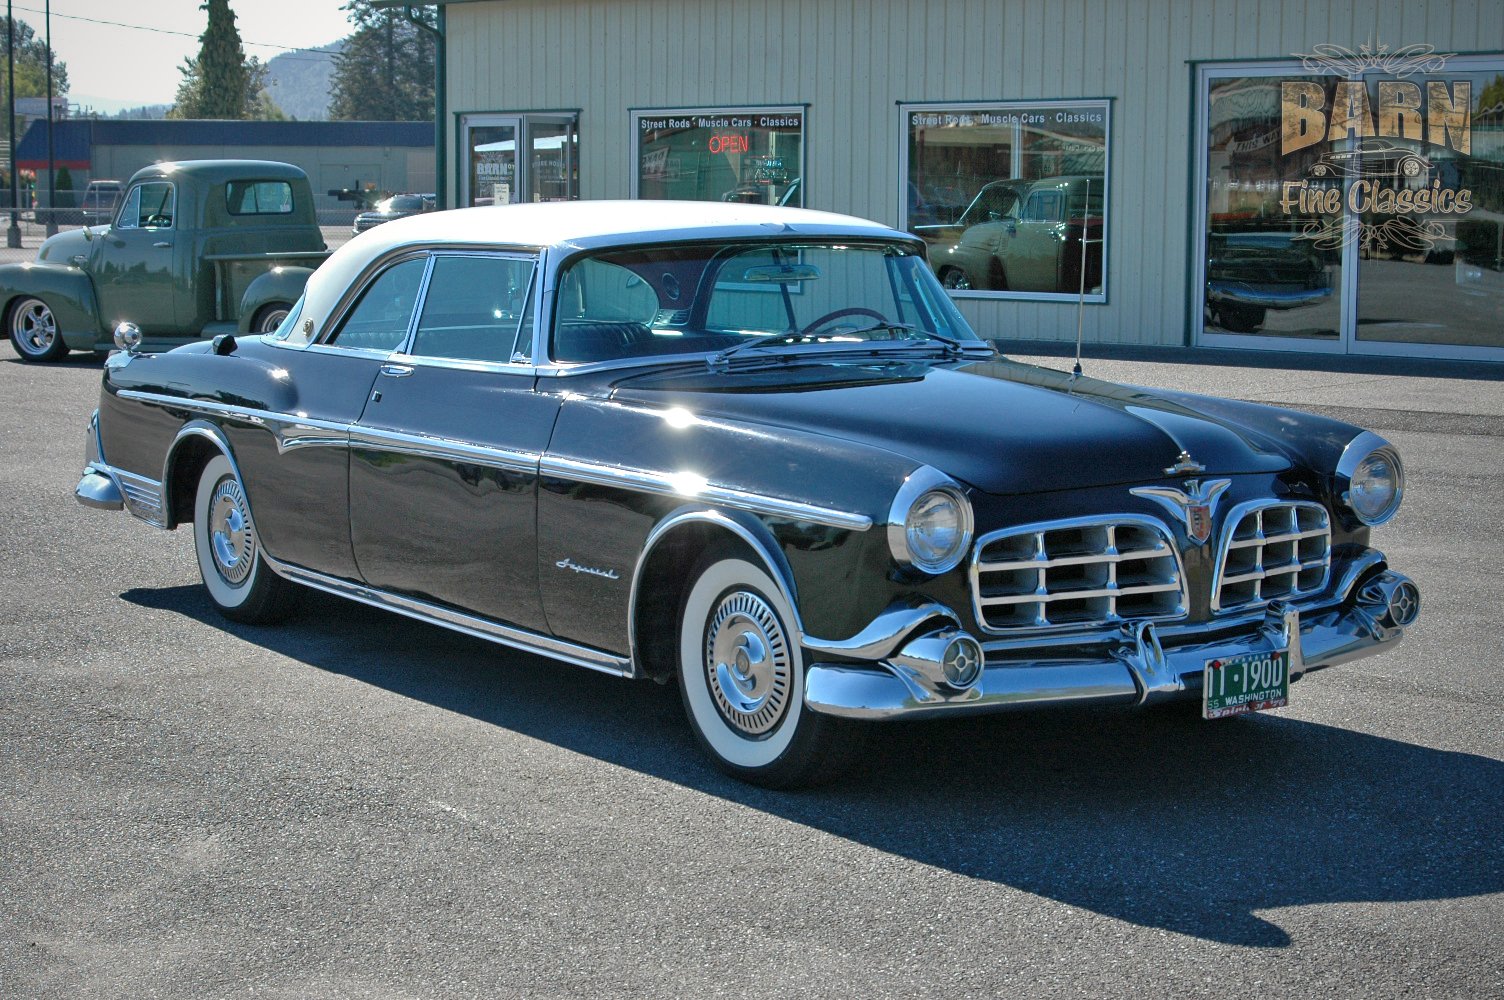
{"x": 754, "y": 451}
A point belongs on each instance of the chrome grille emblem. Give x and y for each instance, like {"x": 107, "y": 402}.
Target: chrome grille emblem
{"x": 1194, "y": 506}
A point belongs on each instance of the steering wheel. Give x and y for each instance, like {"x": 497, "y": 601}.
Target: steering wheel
{"x": 838, "y": 313}
{"x": 158, "y": 221}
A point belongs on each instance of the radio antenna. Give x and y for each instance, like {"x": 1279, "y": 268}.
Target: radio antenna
{"x": 1081, "y": 277}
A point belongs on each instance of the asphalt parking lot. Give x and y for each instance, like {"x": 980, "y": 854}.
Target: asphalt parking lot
{"x": 356, "y": 805}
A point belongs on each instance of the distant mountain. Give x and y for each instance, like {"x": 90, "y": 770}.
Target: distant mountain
{"x": 299, "y": 81}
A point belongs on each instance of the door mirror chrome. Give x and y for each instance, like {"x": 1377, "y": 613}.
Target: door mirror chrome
{"x": 128, "y": 337}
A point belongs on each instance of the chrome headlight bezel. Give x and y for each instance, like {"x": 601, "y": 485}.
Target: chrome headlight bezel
{"x": 1360, "y": 455}
{"x": 923, "y": 485}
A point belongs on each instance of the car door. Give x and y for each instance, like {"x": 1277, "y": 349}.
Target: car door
{"x": 1033, "y": 250}
{"x": 300, "y": 474}
{"x": 138, "y": 268}
{"x": 444, "y": 459}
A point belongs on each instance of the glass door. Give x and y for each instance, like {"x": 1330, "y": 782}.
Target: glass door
{"x": 493, "y": 173}
{"x": 1353, "y": 212}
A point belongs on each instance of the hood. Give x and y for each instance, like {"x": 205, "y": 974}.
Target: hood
{"x": 69, "y": 243}
{"x": 1000, "y": 426}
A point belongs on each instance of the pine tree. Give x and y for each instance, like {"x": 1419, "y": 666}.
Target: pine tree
{"x": 385, "y": 72}
{"x": 220, "y": 82}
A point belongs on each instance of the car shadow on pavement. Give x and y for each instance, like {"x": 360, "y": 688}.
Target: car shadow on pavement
{"x": 1158, "y": 818}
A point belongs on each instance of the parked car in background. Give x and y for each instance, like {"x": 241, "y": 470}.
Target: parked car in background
{"x": 398, "y": 206}
{"x": 1033, "y": 244}
{"x": 758, "y": 453}
{"x": 1249, "y": 273}
{"x": 99, "y": 201}
{"x": 196, "y": 248}
{"x": 992, "y": 202}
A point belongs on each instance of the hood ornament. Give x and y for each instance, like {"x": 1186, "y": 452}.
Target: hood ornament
{"x": 1194, "y": 506}
{"x": 1185, "y": 465}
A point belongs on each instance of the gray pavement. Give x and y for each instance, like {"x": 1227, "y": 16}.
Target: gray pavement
{"x": 354, "y": 805}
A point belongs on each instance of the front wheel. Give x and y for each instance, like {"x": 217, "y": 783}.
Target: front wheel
{"x": 955, "y": 278}
{"x": 33, "y": 331}
{"x": 239, "y": 582}
{"x": 741, "y": 676}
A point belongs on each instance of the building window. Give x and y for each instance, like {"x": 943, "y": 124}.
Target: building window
{"x": 1011, "y": 197}
{"x": 1349, "y": 211}
{"x": 748, "y": 155}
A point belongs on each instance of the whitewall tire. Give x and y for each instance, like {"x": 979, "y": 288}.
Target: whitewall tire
{"x": 741, "y": 676}
{"x": 240, "y": 583}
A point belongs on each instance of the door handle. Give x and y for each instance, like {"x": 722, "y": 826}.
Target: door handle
{"x": 162, "y": 244}
{"x": 396, "y": 371}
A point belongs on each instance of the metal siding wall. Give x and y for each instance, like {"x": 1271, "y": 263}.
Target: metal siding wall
{"x": 851, "y": 61}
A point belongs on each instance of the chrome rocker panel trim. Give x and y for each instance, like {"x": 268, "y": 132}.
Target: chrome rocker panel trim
{"x": 1136, "y": 669}
{"x": 472, "y": 625}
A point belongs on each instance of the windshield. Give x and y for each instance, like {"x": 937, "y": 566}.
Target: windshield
{"x": 710, "y": 297}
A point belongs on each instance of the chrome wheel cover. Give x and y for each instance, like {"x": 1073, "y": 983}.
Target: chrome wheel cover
{"x": 957, "y": 279}
{"x": 272, "y": 320}
{"x": 231, "y": 539}
{"x": 747, "y": 664}
{"x": 32, "y": 327}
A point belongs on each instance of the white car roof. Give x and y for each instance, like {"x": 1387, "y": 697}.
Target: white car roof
{"x": 568, "y": 225}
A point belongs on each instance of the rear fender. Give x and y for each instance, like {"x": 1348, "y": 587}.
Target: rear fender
{"x": 67, "y": 290}
{"x": 282, "y": 284}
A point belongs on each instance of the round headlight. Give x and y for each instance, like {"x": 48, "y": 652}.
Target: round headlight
{"x": 1371, "y": 478}
{"x": 930, "y": 525}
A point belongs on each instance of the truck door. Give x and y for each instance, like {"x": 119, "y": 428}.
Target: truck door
{"x": 138, "y": 272}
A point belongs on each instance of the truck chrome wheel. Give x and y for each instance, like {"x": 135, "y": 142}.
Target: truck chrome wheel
{"x": 239, "y": 582}
{"x": 33, "y": 331}
{"x": 270, "y": 317}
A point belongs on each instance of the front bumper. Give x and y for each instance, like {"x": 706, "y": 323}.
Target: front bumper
{"x": 1138, "y": 665}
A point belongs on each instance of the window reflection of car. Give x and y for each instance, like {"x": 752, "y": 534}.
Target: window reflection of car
{"x": 1028, "y": 240}
{"x": 1375, "y": 158}
{"x": 1249, "y": 273}
{"x": 993, "y": 201}
{"x": 398, "y": 206}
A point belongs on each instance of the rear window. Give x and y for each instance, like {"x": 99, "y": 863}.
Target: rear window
{"x": 259, "y": 197}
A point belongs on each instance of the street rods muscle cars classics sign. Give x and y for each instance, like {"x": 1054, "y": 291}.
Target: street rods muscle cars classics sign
{"x": 757, "y": 452}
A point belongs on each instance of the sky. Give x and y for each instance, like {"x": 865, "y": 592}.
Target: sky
{"x": 112, "y": 66}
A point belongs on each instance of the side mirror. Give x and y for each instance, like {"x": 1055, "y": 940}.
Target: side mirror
{"x": 128, "y": 337}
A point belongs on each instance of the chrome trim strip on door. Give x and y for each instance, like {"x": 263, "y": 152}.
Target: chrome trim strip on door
{"x": 691, "y": 487}
{"x": 444, "y": 449}
{"x": 472, "y": 625}
{"x": 278, "y": 423}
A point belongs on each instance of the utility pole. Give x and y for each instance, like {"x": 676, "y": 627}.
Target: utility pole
{"x": 51, "y": 167}
{"x": 13, "y": 234}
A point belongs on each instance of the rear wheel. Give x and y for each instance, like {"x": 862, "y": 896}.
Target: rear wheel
{"x": 269, "y": 317}
{"x": 741, "y": 676}
{"x": 33, "y": 330}
{"x": 239, "y": 582}
{"x": 954, "y": 277}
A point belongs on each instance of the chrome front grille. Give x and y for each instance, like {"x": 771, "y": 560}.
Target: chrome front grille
{"x": 1272, "y": 550}
{"x": 1086, "y": 571}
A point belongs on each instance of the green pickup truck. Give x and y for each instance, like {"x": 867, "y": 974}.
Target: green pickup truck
{"x": 196, "y": 248}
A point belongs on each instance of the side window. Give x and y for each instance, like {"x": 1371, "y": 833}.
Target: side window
{"x": 258, "y": 197}
{"x": 148, "y": 206}
{"x": 380, "y": 319}
{"x": 474, "y": 309}
{"x": 1044, "y": 206}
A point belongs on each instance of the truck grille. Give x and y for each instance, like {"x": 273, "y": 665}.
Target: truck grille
{"x": 1272, "y": 550}
{"x": 1079, "y": 572}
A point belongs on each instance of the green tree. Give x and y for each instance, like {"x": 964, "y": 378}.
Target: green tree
{"x": 220, "y": 82}
{"x": 62, "y": 186}
{"x": 385, "y": 72}
{"x": 31, "y": 65}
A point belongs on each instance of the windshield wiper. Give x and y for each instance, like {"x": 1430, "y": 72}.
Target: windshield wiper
{"x": 909, "y": 336}
{"x": 914, "y": 333}
{"x": 719, "y": 359}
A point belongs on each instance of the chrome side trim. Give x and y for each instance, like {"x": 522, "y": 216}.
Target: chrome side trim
{"x": 444, "y": 449}
{"x": 472, "y": 625}
{"x": 691, "y": 487}
{"x": 770, "y": 554}
{"x": 291, "y": 430}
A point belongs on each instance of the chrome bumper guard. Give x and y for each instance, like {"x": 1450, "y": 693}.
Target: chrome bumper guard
{"x": 99, "y": 491}
{"x": 1134, "y": 668}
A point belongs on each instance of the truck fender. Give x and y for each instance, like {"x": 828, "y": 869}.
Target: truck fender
{"x": 68, "y": 292}
{"x": 282, "y": 285}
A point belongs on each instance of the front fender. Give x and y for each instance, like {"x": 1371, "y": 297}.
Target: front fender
{"x": 279, "y": 285}
{"x": 68, "y": 291}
